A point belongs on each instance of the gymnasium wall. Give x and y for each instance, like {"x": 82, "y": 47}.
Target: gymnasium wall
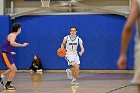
{"x": 4, "y": 30}
{"x": 100, "y": 33}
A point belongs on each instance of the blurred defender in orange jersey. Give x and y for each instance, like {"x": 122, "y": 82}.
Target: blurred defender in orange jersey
{"x": 71, "y": 41}
{"x": 126, "y": 35}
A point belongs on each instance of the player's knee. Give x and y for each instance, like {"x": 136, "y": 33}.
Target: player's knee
{"x": 76, "y": 68}
{"x": 14, "y": 70}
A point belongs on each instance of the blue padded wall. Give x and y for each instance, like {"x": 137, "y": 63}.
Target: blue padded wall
{"x": 4, "y": 30}
{"x": 101, "y": 34}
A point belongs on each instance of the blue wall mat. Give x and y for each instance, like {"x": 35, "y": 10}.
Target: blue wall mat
{"x": 4, "y": 30}
{"x": 101, "y": 34}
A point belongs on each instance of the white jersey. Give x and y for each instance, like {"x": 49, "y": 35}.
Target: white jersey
{"x": 137, "y": 37}
{"x": 72, "y": 44}
{"x": 136, "y": 78}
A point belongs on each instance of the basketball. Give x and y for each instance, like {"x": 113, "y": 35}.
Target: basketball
{"x": 61, "y": 52}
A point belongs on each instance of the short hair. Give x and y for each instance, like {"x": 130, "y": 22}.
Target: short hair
{"x": 15, "y": 27}
{"x": 73, "y": 27}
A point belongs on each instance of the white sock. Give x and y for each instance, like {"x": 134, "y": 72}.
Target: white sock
{"x": 70, "y": 70}
{"x": 2, "y": 76}
{"x": 73, "y": 79}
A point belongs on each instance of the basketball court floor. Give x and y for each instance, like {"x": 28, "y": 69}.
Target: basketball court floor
{"x": 58, "y": 83}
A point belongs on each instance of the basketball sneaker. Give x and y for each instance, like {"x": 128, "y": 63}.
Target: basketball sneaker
{"x": 9, "y": 87}
{"x": 73, "y": 82}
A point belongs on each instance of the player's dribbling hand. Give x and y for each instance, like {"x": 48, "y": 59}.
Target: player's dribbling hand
{"x": 122, "y": 62}
{"x": 80, "y": 53}
{"x": 13, "y": 53}
{"x": 25, "y": 44}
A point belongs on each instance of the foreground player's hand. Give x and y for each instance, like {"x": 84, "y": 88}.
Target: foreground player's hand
{"x": 25, "y": 44}
{"x": 13, "y": 53}
{"x": 80, "y": 53}
{"x": 122, "y": 62}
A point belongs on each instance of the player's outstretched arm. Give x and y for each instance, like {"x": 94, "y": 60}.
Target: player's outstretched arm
{"x": 12, "y": 38}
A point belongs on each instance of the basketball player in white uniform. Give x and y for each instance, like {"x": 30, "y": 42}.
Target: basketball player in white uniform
{"x": 126, "y": 35}
{"x": 72, "y": 41}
